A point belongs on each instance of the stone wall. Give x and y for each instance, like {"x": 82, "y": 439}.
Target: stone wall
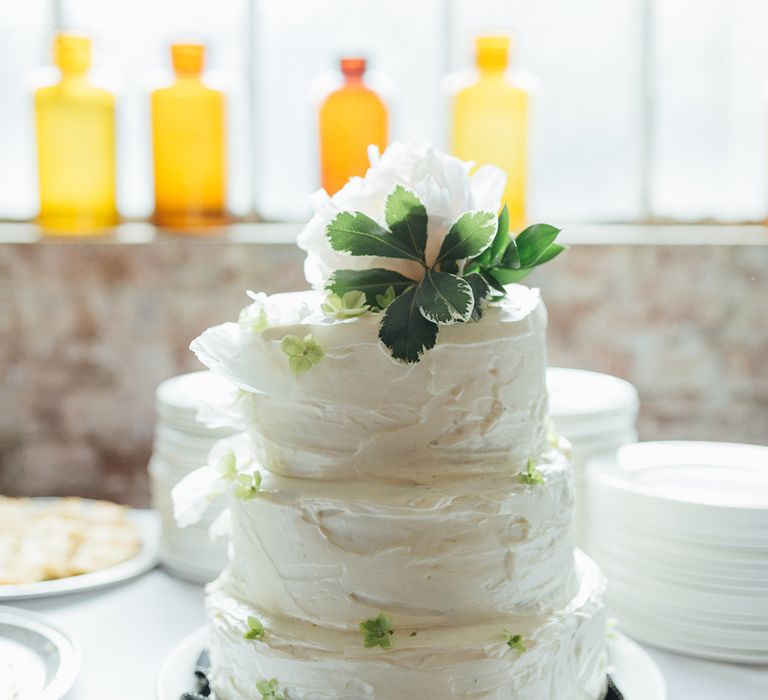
{"x": 87, "y": 330}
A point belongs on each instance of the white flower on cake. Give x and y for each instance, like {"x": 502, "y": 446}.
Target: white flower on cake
{"x": 418, "y": 239}
{"x": 263, "y": 312}
{"x": 442, "y": 183}
{"x": 226, "y": 472}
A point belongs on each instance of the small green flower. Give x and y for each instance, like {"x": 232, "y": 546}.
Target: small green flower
{"x": 247, "y": 486}
{"x": 531, "y": 475}
{"x": 269, "y": 690}
{"x": 255, "y": 629}
{"x": 384, "y": 300}
{"x": 302, "y": 354}
{"x": 377, "y": 632}
{"x": 253, "y": 318}
{"x": 515, "y": 641}
{"x": 351, "y": 303}
{"x": 227, "y": 464}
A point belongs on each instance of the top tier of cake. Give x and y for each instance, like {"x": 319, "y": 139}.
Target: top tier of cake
{"x": 476, "y": 403}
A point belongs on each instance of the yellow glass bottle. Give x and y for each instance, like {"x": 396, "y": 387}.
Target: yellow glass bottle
{"x": 75, "y": 130}
{"x": 351, "y": 118}
{"x": 490, "y": 122}
{"x": 189, "y": 146}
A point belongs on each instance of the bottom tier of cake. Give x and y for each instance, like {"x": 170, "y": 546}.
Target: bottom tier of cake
{"x": 560, "y": 656}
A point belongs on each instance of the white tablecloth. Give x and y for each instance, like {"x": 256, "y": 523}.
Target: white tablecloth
{"x": 126, "y": 632}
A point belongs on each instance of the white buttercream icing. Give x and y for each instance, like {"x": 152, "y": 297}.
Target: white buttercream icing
{"x": 395, "y": 488}
{"x": 565, "y": 658}
{"x": 454, "y": 551}
{"x": 475, "y": 403}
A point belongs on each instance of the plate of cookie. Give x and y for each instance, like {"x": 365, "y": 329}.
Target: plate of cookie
{"x": 51, "y": 546}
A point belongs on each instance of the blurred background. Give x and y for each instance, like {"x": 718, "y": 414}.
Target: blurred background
{"x": 643, "y": 110}
{"x": 643, "y": 126}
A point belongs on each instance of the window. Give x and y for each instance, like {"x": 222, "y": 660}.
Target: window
{"x": 642, "y": 109}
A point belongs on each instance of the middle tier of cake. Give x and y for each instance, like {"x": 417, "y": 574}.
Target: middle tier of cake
{"x": 454, "y": 551}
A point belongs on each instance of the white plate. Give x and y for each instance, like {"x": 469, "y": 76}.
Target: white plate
{"x": 669, "y": 522}
{"x": 577, "y": 394}
{"x": 633, "y": 671}
{"x": 703, "y": 480}
{"x": 629, "y": 538}
{"x": 627, "y": 565}
{"x": 683, "y": 644}
{"x": 149, "y": 524}
{"x": 48, "y": 657}
{"x": 682, "y": 597}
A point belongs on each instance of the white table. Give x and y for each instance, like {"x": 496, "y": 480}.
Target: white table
{"x": 126, "y": 632}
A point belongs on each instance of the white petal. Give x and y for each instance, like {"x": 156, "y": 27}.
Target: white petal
{"x": 194, "y": 493}
{"x": 221, "y": 526}
{"x": 487, "y": 185}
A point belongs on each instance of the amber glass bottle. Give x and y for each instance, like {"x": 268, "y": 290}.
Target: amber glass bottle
{"x": 490, "y": 122}
{"x": 189, "y": 146}
{"x": 75, "y": 132}
{"x": 351, "y": 118}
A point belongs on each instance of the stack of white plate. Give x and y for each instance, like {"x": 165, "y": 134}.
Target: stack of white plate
{"x": 597, "y": 413}
{"x": 681, "y": 530}
{"x": 181, "y": 445}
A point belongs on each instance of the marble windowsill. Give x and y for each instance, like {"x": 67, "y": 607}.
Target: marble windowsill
{"x": 285, "y": 233}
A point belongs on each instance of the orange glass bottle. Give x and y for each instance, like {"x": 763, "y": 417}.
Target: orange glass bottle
{"x": 189, "y": 146}
{"x": 490, "y": 122}
{"x": 351, "y": 118}
{"x": 75, "y": 131}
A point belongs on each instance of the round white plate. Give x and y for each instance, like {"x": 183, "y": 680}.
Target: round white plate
{"x": 48, "y": 658}
{"x": 644, "y": 517}
{"x": 685, "y": 644}
{"x": 703, "y": 480}
{"x": 146, "y": 559}
{"x": 626, "y": 565}
{"x": 743, "y": 558}
{"x": 576, "y": 394}
{"x": 633, "y": 671}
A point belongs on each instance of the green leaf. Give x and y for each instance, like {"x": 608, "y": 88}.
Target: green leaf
{"x": 532, "y": 243}
{"x": 501, "y": 239}
{"x": 480, "y": 292}
{"x": 504, "y": 276}
{"x": 404, "y": 330}
{"x": 444, "y": 298}
{"x": 490, "y": 277}
{"x": 406, "y": 217}
{"x": 371, "y": 282}
{"x": 551, "y": 252}
{"x": 358, "y": 234}
{"x": 450, "y": 265}
{"x": 470, "y": 235}
{"x": 511, "y": 257}
{"x": 492, "y": 254}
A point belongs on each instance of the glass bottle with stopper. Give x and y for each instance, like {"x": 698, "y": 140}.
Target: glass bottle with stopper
{"x": 75, "y": 133}
{"x": 189, "y": 146}
{"x": 489, "y": 122}
{"x": 351, "y": 118}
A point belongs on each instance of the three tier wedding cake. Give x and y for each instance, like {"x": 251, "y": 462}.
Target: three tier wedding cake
{"x": 399, "y": 515}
